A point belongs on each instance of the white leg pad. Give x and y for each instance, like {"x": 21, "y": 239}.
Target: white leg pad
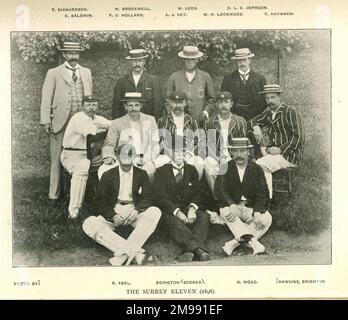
{"x": 266, "y": 220}
{"x": 238, "y": 228}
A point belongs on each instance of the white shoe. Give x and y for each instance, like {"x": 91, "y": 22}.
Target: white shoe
{"x": 118, "y": 260}
{"x": 230, "y": 246}
{"x": 139, "y": 258}
{"x": 256, "y": 246}
{"x": 73, "y": 213}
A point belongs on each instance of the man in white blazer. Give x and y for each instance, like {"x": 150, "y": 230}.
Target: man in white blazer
{"x": 136, "y": 128}
{"x": 62, "y": 94}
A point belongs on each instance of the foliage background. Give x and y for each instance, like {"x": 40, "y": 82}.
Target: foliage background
{"x": 304, "y": 75}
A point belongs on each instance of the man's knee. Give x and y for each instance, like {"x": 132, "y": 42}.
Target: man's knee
{"x": 267, "y": 219}
{"x": 82, "y": 166}
{"x": 92, "y": 225}
{"x": 154, "y": 214}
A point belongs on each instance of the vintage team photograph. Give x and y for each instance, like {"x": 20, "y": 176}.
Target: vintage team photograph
{"x": 168, "y": 148}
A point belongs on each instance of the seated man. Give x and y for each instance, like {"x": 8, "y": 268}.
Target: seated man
{"x": 74, "y": 156}
{"x": 286, "y": 134}
{"x": 220, "y": 129}
{"x": 242, "y": 196}
{"x": 178, "y": 122}
{"x": 124, "y": 197}
{"x": 176, "y": 192}
{"x": 136, "y": 128}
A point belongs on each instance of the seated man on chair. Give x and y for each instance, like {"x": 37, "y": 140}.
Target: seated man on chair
{"x": 220, "y": 129}
{"x": 242, "y": 196}
{"x": 124, "y": 197}
{"x": 286, "y": 134}
{"x": 74, "y": 155}
{"x": 178, "y": 122}
{"x": 136, "y": 128}
{"x": 176, "y": 191}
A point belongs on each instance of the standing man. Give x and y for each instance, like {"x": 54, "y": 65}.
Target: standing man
{"x": 242, "y": 196}
{"x": 285, "y": 131}
{"x": 136, "y": 128}
{"x": 138, "y": 80}
{"x": 62, "y": 94}
{"x": 245, "y": 85}
{"x": 124, "y": 197}
{"x": 176, "y": 190}
{"x": 197, "y": 85}
{"x": 220, "y": 129}
{"x": 74, "y": 156}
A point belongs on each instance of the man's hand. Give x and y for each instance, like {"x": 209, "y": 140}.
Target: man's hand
{"x": 117, "y": 220}
{"x": 273, "y": 150}
{"x": 247, "y": 216}
{"x": 257, "y": 133}
{"x": 180, "y": 215}
{"x": 48, "y": 128}
{"x": 139, "y": 161}
{"x": 133, "y": 216}
{"x": 191, "y": 215}
{"x": 258, "y": 221}
{"x": 109, "y": 161}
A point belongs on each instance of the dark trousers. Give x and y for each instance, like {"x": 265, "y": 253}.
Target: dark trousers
{"x": 188, "y": 236}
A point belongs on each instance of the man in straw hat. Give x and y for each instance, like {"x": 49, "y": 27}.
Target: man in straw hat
{"x": 197, "y": 85}
{"x": 242, "y": 196}
{"x": 176, "y": 190}
{"x": 136, "y": 128}
{"x": 62, "y": 94}
{"x": 74, "y": 156}
{"x": 245, "y": 84}
{"x": 286, "y": 134}
{"x": 124, "y": 197}
{"x": 138, "y": 80}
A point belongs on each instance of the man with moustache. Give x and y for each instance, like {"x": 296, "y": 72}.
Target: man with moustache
{"x": 136, "y": 128}
{"x": 197, "y": 85}
{"x": 74, "y": 155}
{"x": 220, "y": 129}
{"x": 285, "y": 131}
{"x": 178, "y": 122}
{"x": 242, "y": 196}
{"x": 138, "y": 80}
{"x": 244, "y": 85}
{"x": 124, "y": 197}
{"x": 176, "y": 190}
{"x": 62, "y": 94}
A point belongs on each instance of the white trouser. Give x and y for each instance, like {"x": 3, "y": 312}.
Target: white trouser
{"x": 193, "y": 160}
{"x": 239, "y": 227}
{"x": 213, "y": 168}
{"x": 272, "y": 163}
{"x": 102, "y": 231}
{"x": 77, "y": 164}
{"x": 149, "y": 167}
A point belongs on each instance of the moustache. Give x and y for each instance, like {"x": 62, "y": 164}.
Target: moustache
{"x": 239, "y": 158}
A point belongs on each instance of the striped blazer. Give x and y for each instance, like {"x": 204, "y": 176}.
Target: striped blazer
{"x": 286, "y": 131}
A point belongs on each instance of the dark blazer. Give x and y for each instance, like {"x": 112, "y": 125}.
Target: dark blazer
{"x": 168, "y": 196}
{"x": 255, "y": 83}
{"x": 229, "y": 189}
{"x": 151, "y": 89}
{"x": 108, "y": 190}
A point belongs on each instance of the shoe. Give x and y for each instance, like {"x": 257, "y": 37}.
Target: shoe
{"x": 139, "y": 258}
{"x": 185, "y": 257}
{"x": 118, "y": 260}
{"x": 201, "y": 255}
{"x": 230, "y": 246}
{"x": 257, "y": 247}
{"x": 73, "y": 213}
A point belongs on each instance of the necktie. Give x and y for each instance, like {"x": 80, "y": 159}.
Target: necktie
{"x": 244, "y": 76}
{"x": 74, "y": 76}
{"x": 179, "y": 175}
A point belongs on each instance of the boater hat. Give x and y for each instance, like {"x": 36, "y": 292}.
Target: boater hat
{"x": 240, "y": 143}
{"x": 133, "y": 96}
{"x": 190, "y": 52}
{"x": 137, "y": 54}
{"x": 271, "y": 88}
{"x": 71, "y": 46}
{"x": 242, "y": 53}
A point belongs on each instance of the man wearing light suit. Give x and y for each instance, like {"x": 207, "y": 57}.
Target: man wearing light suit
{"x": 62, "y": 94}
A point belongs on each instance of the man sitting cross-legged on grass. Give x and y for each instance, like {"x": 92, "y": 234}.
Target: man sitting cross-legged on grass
{"x": 242, "y": 196}
{"x": 74, "y": 156}
{"x": 124, "y": 197}
{"x": 176, "y": 191}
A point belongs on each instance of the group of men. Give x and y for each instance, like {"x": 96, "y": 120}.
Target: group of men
{"x": 182, "y": 158}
